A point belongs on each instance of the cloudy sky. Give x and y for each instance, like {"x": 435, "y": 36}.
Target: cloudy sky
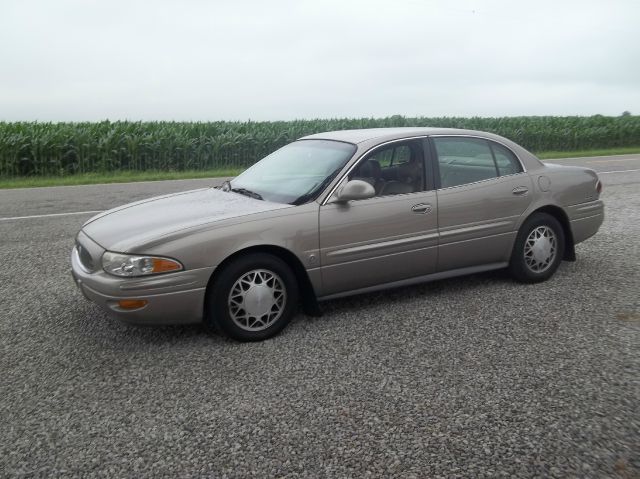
{"x": 278, "y": 59}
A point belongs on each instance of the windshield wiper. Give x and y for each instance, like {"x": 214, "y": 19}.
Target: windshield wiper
{"x": 249, "y": 193}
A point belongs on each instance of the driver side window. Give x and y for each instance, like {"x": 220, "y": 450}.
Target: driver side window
{"x": 393, "y": 169}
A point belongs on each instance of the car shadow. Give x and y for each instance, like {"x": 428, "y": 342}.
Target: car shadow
{"x": 447, "y": 287}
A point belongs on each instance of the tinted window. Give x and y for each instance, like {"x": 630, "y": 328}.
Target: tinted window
{"x": 506, "y": 161}
{"x": 464, "y": 160}
{"x": 393, "y": 170}
{"x": 388, "y": 157}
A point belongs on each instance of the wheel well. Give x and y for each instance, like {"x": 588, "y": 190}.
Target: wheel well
{"x": 561, "y": 216}
{"x": 307, "y": 294}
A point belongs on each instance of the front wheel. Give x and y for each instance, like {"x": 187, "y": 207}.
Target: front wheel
{"x": 253, "y": 298}
{"x": 538, "y": 249}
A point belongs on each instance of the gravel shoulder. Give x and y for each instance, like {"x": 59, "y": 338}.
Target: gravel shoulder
{"x": 469, "y": 377}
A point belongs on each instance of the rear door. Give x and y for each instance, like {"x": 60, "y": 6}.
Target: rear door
{"x": 389, "y": 237}
{"x": 482, "y": 190}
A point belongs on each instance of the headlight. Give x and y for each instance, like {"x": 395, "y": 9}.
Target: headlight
{"x": 129, "y": 265}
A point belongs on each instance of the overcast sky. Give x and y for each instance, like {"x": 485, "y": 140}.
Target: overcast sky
{"x": 276, "y": 60}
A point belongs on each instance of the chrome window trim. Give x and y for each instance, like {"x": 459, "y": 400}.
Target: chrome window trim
{"x": 346, "y": 175}
{"x": 524, "y": 170}
{"x": 422, "y": 137}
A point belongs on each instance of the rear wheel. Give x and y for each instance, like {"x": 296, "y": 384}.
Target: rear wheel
{"x": 253, "y": 298}
{"x": 538, "y": 249}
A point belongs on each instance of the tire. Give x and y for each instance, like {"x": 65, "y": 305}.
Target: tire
{"x": 538, "y": 250}
{"x": 253, "y": 298}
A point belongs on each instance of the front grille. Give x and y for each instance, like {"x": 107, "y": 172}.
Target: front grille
{"x": 85, "y": 258}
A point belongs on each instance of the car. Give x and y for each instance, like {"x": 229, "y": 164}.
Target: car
{"x": 331, "y": 215}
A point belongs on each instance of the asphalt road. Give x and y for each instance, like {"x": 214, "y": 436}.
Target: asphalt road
{"x": 469, "y": 377}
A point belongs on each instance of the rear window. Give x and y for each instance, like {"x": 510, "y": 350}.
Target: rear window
{"x": 464, "y": 160}
{"x": 506, "y": 161}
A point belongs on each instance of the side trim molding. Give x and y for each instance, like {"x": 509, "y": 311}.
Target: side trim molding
{"x": 385, "y": 244}
{"x": 471, "y": 229}
{"x": 419, "y": 279}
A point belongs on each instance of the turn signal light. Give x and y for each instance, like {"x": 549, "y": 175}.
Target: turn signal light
{"x": 161, "y": 265}
{"x": 132, "y": 303}
{"x": 599, "y": 186}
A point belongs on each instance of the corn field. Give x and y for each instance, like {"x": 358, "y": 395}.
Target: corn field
{"x": 52, "y": 149}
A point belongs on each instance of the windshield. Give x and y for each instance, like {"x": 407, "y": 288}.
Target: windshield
{"x": 296, "y": 173}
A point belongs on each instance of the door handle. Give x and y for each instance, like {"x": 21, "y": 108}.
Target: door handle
{"x": 520, "y": 190}
{"x": 421, "y": 209}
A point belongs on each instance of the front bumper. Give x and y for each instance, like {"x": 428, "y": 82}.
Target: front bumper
{"x": 172, "y": 298}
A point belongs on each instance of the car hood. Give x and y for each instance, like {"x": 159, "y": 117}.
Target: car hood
{"x": 127, "y": 226}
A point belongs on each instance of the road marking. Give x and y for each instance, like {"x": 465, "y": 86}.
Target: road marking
{"x": 620, "y": 171}
{"x": 49, "y": 215}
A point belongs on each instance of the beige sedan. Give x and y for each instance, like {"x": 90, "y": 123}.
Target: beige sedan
{"x": 336, "y": 214}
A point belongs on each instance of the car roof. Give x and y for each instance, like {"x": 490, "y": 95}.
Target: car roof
{"x": 370, "y": 137}
{"x": 368, "y": 134}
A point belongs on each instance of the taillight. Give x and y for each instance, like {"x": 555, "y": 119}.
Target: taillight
{"x": 599, "y": 186}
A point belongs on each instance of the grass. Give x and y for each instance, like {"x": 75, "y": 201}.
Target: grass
{"x": 154, "y": 175}
{"x": 115, "y": 177}
{"x": 558, "y": 155}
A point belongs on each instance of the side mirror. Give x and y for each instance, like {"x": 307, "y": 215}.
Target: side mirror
{"x": 354, "y": 190}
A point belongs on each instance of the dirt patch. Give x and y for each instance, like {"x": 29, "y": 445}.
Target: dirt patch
{"x": 630, "y": 317}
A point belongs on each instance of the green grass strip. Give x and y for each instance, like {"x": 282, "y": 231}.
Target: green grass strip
{"x": 133, "y": 176}
{"x": 558, "y": 155}
{"x": 115, "y": 177}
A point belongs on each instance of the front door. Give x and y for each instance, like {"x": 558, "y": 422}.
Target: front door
{"x": 389, "y": 237}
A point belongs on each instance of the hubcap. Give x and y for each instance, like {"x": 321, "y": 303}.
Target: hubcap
{"x": 540, "y": 249}
{"x": 257, "y": 300}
